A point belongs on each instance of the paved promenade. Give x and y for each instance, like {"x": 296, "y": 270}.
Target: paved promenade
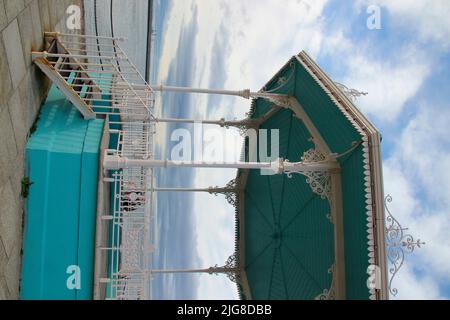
{"x": 23, "y": 88}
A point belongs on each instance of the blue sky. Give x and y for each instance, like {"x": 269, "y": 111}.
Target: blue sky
{"x": 405, "y": 68}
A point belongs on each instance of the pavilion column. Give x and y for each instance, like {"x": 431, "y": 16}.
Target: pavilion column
{"x": 240, "y": 93}
{"x": 278, "y": 99}
{"x": 114, "y": 161}
{"x": 240, "y": 124}
{"x": 230, "y": 269}
{"x": 212, "y": 190}
{"x": 211, "y": 270}
{"x": 206, "y": 270}
{"x": 230, "y": 190}
{"x": 181, "y": 189}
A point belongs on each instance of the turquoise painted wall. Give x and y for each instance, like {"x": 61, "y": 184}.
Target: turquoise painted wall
{"x": 62, "y": 162}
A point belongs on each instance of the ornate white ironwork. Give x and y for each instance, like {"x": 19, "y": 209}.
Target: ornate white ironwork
{"x": 319, "y": 180}
{"x": 283, "y": 80}
{"x": 131, "y": 233}
{"x": 398, "y": 245}
{"x": 242, "y": 125}
{"x": 132, "y": 248}
{"x": 352, "y": 94}
{"x": 230, "y": 191}
{"x": 329, "y": 294}
{"x": 230, "y": 268}
{"x": 278, "y": 100}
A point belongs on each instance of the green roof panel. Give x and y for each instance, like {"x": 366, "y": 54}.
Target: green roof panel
{"x": 289, "y": 237}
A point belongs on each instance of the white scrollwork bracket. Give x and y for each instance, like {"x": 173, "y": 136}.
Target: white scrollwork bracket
{"x": 278, "y": 100}
{"x": 398, "y": 244}
{"x": 318, "y": 180}
{"x": 230, "y": 269}
{"x": 352, "y": 94}
{"x": 230, "y": 191}
{"x": 328, "y": 294}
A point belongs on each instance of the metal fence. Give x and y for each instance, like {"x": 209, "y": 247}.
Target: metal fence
{"x": 100, "y": 80}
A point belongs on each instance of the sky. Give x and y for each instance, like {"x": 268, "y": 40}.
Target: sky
{"x": 404, "y": 65}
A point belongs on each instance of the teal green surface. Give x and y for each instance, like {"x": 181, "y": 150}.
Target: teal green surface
{"x": 289, "y": 239}
{"x": 339, "y": 134}
{"x": 289, "y": 242}
{"x": 62, "y": 162}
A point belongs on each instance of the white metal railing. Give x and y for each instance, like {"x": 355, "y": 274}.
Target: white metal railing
{"x": 100, "y": 72}
{"x": 132, "y": 214}
{"x": 131, "y": 234}
{"x": 96, "y": 73}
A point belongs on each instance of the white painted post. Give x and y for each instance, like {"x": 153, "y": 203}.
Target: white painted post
{"x": 278, "y": 99}
{"x": 115, "y": 162}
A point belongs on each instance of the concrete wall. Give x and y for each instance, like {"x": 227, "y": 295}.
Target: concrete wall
{"x": 23, "y": 88}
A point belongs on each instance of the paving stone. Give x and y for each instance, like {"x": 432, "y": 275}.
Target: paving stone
{"x": 26, "y": 34}
{"x": 10, "y": 220}
{"x": 29, "y": 91}
{"x": 12, "y": 271}
{"x": 60, "y": 26}
{"x": 13, "y": 8}
{"x": 53, "y": 12}
{"x": 62, "y": 7}
{"x": 5, "y": 84}
{"x": 4, "y": 293}
{"x": 3, "y": 258}
{"x": 8, "y": 149}
{"x": 38, "y": 35}
{"x": 17, "y": 176}
{"x": 44, "y": 14}
{"x": 5, "y": 165}
{"x": 19, "y": 119}
{"x": 3, "y": 18}
{"x": 14, "y": 52}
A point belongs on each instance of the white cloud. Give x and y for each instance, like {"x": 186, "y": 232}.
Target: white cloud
{"x": 180, "y": 14}
{"x": 251, "y": 27}
{"x": 391, "y": 75}
{"x": 390, "y": 81}
{"x": 389, "y": 85}
{"x": 425, "y": 151}
{"x": 262, "y": 35}
{"x": 430, "y": 19}
{"x": 412, "y": 287}
{"x": 265, "y": 34}
{"x": 417, "y": 175}
{"x": 215, "y": 236}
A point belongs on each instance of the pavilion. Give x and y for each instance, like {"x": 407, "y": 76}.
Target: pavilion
{"x": 313, "y": 229}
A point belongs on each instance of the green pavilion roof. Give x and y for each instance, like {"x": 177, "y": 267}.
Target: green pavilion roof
{"x": 286, "y": 231}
